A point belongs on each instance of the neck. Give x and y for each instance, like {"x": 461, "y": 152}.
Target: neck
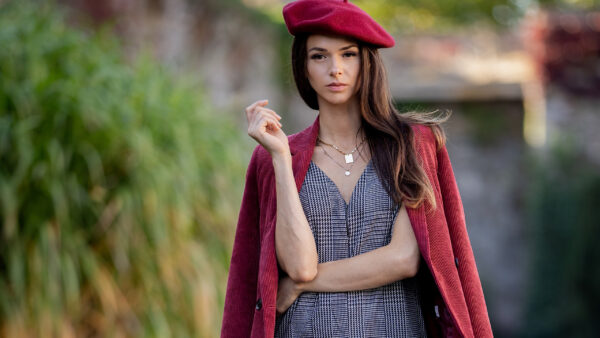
{"x": 339, "y": 124}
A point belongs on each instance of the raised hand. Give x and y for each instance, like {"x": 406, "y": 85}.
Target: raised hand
{"x": 265, "y": 128}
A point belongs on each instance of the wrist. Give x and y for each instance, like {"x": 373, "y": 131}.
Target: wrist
{"x": 281, "y": 157}
{"x": 300, "y": 287}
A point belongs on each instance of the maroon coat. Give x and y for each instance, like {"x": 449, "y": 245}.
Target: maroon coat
{"x": 452, "y": 297}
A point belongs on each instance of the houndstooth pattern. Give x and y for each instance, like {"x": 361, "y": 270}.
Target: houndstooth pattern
{"x": 341, "y": 231}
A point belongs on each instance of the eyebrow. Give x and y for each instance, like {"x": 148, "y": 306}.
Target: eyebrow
{"x": 319, "y": 49}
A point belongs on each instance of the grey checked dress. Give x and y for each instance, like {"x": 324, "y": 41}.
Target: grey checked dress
{"x": 341, "y": 231}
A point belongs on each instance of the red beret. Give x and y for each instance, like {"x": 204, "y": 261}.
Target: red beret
{"x": 337, "y": 17}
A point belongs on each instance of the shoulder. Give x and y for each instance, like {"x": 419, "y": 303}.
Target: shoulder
{"x": 427, "y": 144}
{"x": 424, "y": 138}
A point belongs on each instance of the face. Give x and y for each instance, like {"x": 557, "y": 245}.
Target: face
{"x": 333, "y": 67}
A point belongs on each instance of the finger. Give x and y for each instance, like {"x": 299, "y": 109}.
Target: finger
{"x": 262, "y": 117}
{"x": 270, "y": 122}
{"x": 264, "y": 122}
{"x": 261, "y": 111}
{"x": 250, "y": 109}
{"x": 270, "y": 111}
{"x": 267, "y": 114}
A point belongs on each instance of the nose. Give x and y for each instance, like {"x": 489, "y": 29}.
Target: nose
{"x": 335, "y": 70}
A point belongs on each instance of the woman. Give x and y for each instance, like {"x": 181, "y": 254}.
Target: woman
{"x": 353, "y": 227}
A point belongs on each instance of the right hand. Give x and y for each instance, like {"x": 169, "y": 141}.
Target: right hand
{"x": 264, "y": 127}
{"x": 287, "y": 293}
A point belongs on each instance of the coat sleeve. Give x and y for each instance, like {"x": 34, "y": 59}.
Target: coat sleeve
{"x": 461, "y": 245}
{"x": 243, "y": 270}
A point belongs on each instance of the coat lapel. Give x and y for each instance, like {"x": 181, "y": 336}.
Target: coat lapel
{"x": 302, "y": 146}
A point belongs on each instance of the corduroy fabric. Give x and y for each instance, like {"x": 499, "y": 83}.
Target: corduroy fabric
{"x": 442, "y": 237}
{"x": 337, "y": 17}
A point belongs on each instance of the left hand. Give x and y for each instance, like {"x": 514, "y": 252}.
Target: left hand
{"x": 287, "y": 292}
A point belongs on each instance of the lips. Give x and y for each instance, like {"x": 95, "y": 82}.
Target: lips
{"x": 336, "y": 86}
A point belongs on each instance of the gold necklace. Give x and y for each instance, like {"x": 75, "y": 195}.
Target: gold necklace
{"x": 347, "y": 156}
{"x": 346, "y": 171}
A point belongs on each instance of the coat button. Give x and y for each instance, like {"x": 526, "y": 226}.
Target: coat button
{"x": 259, "y": 304}
{"x": 456, "y": 261}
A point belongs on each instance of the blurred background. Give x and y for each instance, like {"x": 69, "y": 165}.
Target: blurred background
{"x": 123, "y": 151}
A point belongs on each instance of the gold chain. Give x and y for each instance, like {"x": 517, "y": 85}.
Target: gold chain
{"x": 338, "y": 149}
{"x": 339, "y": 165}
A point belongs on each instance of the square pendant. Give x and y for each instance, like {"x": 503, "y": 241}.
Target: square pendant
{"x": 349, "y": 158}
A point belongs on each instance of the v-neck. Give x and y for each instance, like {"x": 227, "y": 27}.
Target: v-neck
{"x": 346, "y": 204}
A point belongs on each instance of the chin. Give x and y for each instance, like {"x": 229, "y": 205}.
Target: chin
{"x": 336, "y": 99}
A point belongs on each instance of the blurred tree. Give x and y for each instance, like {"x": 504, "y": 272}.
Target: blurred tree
{"x": 117, "y": 188}
{"x": 563, "y": 297}
{"x": 437, "y": 15}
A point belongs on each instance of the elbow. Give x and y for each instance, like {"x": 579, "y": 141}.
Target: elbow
{"x": 304, "y": 275}
{"x": 412, "y": 267}
{"x": 408, "y": 265}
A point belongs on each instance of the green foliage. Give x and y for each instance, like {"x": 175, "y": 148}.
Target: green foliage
{"x": 118, "y": 188}
{"x": 407, "y": 16}
{"x": 570, "y": 4}
{"x": 564, "y": 295}
{"x": 488, "y": 123}
{"x": 434, "y": 15}
{"x": 439, "y": 15}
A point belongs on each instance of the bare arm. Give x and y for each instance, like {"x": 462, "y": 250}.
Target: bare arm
{"x": 395, "y": 261}
{"x": 294, "y": 241}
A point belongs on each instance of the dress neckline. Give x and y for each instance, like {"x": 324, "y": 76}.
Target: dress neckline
{"x": 337, "y": 189}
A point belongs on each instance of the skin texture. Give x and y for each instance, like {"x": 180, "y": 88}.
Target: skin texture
{"x": 294, "y": 241}
{"x": 330, "y": 59}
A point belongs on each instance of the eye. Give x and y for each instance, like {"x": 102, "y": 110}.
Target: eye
{"x": 350, "y": 54}
{"x": 317, "y": 56}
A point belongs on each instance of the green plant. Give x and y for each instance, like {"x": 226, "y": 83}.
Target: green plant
{"x": 118, "y": 188}
{"x": 563, "y": 296}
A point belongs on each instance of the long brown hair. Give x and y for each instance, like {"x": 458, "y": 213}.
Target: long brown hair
{"x": 388, "y": 132}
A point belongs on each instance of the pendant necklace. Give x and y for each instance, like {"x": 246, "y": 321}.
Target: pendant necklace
{"x": 346, "y": 171}
{"x": 347, "y": 156}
